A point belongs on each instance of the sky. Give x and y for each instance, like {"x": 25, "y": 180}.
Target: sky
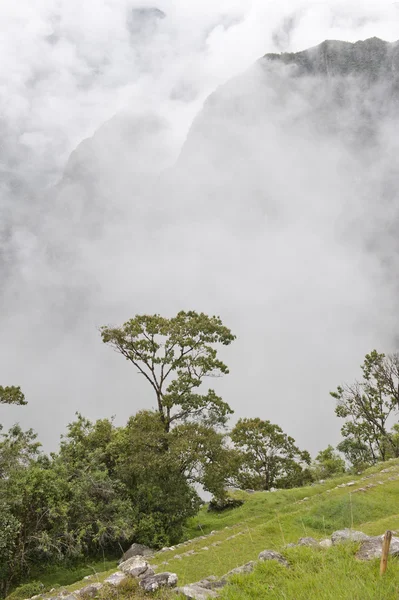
{"x": 99, "y": 101}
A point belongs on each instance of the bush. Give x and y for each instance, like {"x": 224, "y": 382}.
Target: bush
{"x": 27, "y": 590}
{"x": 218, "y": 505}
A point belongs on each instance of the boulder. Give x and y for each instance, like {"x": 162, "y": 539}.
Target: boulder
{"x": 247, "y": 568}
{"x": 372, "y": 548}
{"x": 155, "y": 582}
{"x": 307, "y": 541}
{"x": 90, "y": 591}
{"x": 136, "y": 550}
{"x": 327, "y": 543}
{"x": 134, "y": 566}
{"x": 116, "y": 578}
{"x": 272, "y": 555}
{"x": 195, "y": 592}
{"x": 211, "y": 582}
{"x": 148, "y": 573}
{"x": 347, "y": 535}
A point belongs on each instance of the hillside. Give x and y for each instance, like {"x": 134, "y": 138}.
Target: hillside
{"x": 271, "y": 521}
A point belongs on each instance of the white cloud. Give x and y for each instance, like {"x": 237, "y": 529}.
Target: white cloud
{"x": 305, "y": 306}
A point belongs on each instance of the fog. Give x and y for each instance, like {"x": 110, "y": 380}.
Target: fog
{"x": 124, "y": 190}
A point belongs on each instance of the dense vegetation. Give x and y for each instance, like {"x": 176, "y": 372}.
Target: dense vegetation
{"x": 107, "y": 486}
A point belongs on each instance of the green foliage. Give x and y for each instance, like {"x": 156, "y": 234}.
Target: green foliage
{"x": 175, "y": 355}
{"x": 204, "y": 456}
{"x": 328, "y": 463}
{"x": 269, "y": 457}
{"x": 366, "y": 407}
{"x": 27, "y": 590}
{"x": 153, "y": 472}
{"x": 11, "y": 395}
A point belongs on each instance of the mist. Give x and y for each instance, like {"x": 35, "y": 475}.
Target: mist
{"x": 151, "y": 164}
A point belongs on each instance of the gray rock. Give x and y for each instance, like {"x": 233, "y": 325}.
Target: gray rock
{"x": 327, "y": 543}
{"x": 134, "y": 566}
{"x": 155, "y": 582}
{"x": 137, "y": 550}
{"x": 211, "y": 583}
{"x": 195, "y": 592}
{"x": 247, "y": 568}
{"x": 307, "y": 541}
{"x": 272, "y": 555}
{"x": 372, "y": 548}
{"x": 116, "y": 578}
{"x": 91, "y": 591}
{"x": 148, "y": 573}
{"x": 347, "y": 535}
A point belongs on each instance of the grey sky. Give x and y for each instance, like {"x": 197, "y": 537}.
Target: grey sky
{"x": 115, "y": 229}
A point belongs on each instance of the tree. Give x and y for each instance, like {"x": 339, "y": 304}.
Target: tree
{"x": 11, "y": 395}
{"x": 205, "y": 457}
{"x": 151, "y": 468}
{"x": 367, "y": 407}
{"x": 328, "y": 463}
{"x": 175, "y": 355}
{"x": 269, "y": 456}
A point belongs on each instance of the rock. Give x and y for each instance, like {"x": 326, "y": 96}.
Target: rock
{"x": 134, "y": 566}
{"x": 153, "y": 583}
{"x": 327, "y": 543}
{"x": 148, "y": 573}
{"x": 271, "y": 555}
{"x": 211, "y": 582}
{"x": 195, "y": 592}
{"x": 247, "y": 568}
{"x": 347, "y": 535}
{"x": 116, "y": 578}
{"x": 307, "y": 541}
{"x": 91, "y": 591}
{"x": 136, "y": 550}
{"x": 218, "y": 505}
{"x": 372, "y": 548}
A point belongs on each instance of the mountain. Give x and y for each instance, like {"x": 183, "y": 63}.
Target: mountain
{"x": 280, "y": 214}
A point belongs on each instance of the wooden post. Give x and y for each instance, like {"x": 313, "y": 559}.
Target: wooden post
{"x": 385, "y": 551}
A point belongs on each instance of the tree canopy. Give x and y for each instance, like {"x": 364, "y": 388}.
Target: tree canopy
{"x": 12, "y": 395}
{"x": 269, "y": 456}
{"x": 175, "y": 356}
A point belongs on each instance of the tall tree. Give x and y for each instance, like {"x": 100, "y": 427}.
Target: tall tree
{"x": 269, "y": 456}
{"x": 11, "y": 395}
{"x": 368, "y": 406}
{"x": 175, "y": 356}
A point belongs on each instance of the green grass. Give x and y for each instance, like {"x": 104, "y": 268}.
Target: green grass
{"x": 272, "y": 520}
{"x": 332, "y": 574}
{"x": 64, "y": 576}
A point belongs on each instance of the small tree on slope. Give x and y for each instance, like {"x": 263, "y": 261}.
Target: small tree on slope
{"x": 367, "y": 406}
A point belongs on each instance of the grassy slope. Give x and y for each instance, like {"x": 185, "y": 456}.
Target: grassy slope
{"x": 271, "y": 520}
